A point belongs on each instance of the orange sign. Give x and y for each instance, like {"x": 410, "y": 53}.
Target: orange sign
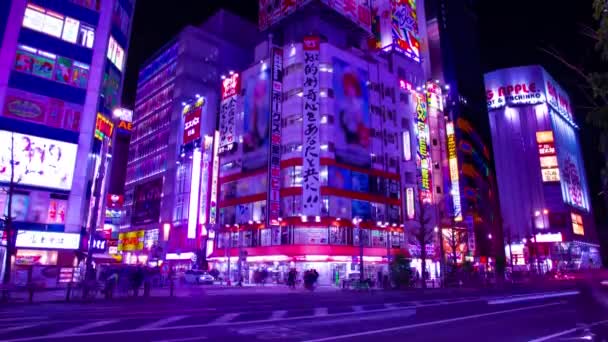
{"x": 126, "y": 125}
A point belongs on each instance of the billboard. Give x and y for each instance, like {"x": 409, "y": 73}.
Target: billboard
{"x": 423, "y": 158}
{"x": 273, "y": 200}
{"x": 569, "y": 159}
{"x": 357, "y": 11}
{"x": 311, "y": 151}
{"x": 256, "y": 119}
{"x": 406, "y": 36}
{"x": 39, "y": 161}
{"x": 131, "y": 241}
{"x": 454, "y": 174}
{"x": 272, "y": 11}
{"x": 231, "y": 87}
{"x": 103, "y": 127}
{"x": 49, "y": 240}
{"x": 192, "y": 121}
{"x": 146, "y": 202}
{"x": 351, "y": 105}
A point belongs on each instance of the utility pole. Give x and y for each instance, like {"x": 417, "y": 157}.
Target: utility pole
{"x": 11, "y": 236}
{"x": 357, "y": 222}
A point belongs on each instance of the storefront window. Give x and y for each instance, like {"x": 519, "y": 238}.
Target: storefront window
{"x": 378, "y": 238}
{"x": 396, "y": 239}
{"x": 364, "y": 234}
{"x": 265, "y": 237}
{"x": 337, "y": 235}
{"x": 310, "y": 236}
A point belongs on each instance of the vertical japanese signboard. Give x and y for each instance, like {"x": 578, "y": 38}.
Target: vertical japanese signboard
{"x": 423, "y": 158}
{"x": 215, "y": 174}
{"x": 192, "y": 121}
{"x": 311, "y": 151}
{"x": 273, "y": 202}
{"x": 454, "y": 177}
{"x": 231, "y": 87}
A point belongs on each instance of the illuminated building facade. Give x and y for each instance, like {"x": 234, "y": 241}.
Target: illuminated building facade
{"x": 322, "y": 133}
{"x": 172, "y": 141}
{"x": 541, "y": 175}
{"x": 468, "y": 200}
{"x": 61, "y": 68}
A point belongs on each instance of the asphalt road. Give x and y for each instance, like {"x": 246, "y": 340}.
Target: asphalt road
{"x": 319, "y": 316}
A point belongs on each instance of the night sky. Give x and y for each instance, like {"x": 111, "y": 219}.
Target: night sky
{"x": 511, "y": 33}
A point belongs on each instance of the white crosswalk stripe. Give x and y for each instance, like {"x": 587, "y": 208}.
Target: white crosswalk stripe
{"x": 321, "y": 312}
{"x": 18, "y": 327}
{"x": 162, "y": 322}
{"x": 82, "y": 328}
{"x": 278, "y": 314}
{"x": 225, "y": 318}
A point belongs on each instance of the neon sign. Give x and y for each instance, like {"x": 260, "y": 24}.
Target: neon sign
{"x": 453, "y": 163}
{"x": 424, "y": 158}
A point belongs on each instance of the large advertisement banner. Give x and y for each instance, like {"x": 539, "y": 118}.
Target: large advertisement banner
{"x": 311, "y": 151}
{"x": 273, "y": 202}
{"x": 231, "y": 87}
{"x": 146, "y": 202}
{"x": 192, "y": 121}
{"x": 256, "y": 120}
{"x": 424, "y": 155}
{"x": 571, "y": 167}
{"x": 351, "y": 105}
{"x": 406, "y": 37}
{"x": 38, "y": 161}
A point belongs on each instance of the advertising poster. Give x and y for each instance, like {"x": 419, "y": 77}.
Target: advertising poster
{"x": 38, "y": 161}
{"x": 273, "y": 199}
{"x": 381, "y": 24}
{"x": 80, "y": 75}
{"x": 423, "y": 156}
{"x": 192, "y": 121}
{"x": 63, "y": 70}
{"x": 572, "y": 173}
{"x": 357, "y": 11}
{"x": 24, "y": 61}
{"x": 351, "y": 101}
{"x": 57, "y": 211}
{"x": 39, "y": 207}
{"x": 20, "y": 107}
{"x": 43, "y": 67}
{"x": 131, "y": 241}
{"x": 405, "y": 28}
{"x": 146, "y": 206}
{"x": 54, "y": 114}
{"x": 256, "y": 120}
{"x": 311, "y": 150}
{"x": 231, "y": 88}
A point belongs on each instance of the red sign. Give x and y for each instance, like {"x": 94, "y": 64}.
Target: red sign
{"x": 103, "y": 127}
{"x": 231, "y": 86}
{"x": 126, "y": 125}
{"x": 546, "y": 149}
{"x": 114, "y": 201}
{"x": 192, "y": 125}
{"x": 513, "y": 89}
{"x": 312, "y": 43}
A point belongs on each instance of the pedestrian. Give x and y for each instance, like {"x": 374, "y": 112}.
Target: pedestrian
{"x": 111, "y": 283}
{"x": 291, "y": 278}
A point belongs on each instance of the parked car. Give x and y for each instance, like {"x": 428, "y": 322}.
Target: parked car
{"x": 198, "y": 277}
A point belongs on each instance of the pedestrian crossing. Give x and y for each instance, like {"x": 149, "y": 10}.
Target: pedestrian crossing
{"x": 23, "y": 327}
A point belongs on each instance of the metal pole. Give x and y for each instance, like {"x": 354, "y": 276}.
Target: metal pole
{"x": 360, "y": 248}
{"x": 94, "y": 215}
{"x": 239, "y": 265}
{"x": 228, "y": 242}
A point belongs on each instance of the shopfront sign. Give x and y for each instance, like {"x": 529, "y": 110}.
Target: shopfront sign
{"x": 273, "y": 200}
{"x": 131, "y": 241}
{"x": 454, "y": 176}
{"x": 47, "y": 240}
{"x": 231, "y": 87}
{"x": 103, "y": 127}
{"x": 424, "y": 157}
{"x": 548, "y": 156}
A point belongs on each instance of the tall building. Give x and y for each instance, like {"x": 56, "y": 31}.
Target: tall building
{"x": 61, "y": 72}
{"x": 470, "y": 200}
{"x": 324, "y": 143}
{"x": 174, "y": 125}
{"x": 541, "y": 175}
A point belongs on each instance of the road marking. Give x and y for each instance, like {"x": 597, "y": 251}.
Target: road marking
{"x": 24, "y": 318}
{"x": 357, "y": 308}
{"x": 198, "y": 338}
{"x": 162, "y": 322}
{"x": 321, "y": 312}
{"x": 82, "y": 328}
{"x": 20, "y": 327}
{"x": 532, "y": 297}
{"x": 418, "y": 325}
{"x": 277, "y": 314}
{"x": 225, "y": 318}
{"x": 193, "y": 326}
{"x": 566, "y": 332}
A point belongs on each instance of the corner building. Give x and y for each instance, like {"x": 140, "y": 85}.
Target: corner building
{"x": 544, "y": 194}
{"x": 313, "y": 147}
{"x": 62, "y": 65}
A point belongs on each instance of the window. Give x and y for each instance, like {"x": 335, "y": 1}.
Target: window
{"x": 116, "y": 54}
{"x": 54, "y": 24}
{"x": 310, "y": 236}
{"x": 47, "y": 65}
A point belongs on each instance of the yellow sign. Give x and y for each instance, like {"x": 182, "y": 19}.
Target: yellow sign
{"x": 131, "y": 241}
